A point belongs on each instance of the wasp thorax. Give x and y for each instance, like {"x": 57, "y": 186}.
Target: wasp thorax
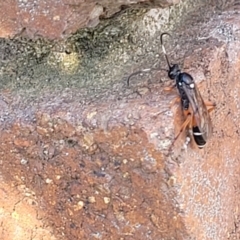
{"x": 192, "y": 85}
{"x": 187, "y": 79}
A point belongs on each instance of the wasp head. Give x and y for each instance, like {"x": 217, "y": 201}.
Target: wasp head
{"x": 174, "y": 71}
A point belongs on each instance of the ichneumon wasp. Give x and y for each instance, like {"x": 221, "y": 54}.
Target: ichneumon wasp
{"x": 195, "y": 110}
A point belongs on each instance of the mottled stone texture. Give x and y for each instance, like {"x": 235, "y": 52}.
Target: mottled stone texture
{"x": 57, "y": 19}
{"x": 93, "y": 162}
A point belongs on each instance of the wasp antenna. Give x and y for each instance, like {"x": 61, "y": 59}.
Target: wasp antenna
{"x": 145, "y": 71}
{"x": 135, "y": 73}
{"x": 163, "y": 48}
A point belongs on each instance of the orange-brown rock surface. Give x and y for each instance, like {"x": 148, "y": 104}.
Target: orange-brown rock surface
{"x": 58, "y": 19}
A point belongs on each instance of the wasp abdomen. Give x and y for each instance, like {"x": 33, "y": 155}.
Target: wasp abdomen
{"x": 198, "y": 137}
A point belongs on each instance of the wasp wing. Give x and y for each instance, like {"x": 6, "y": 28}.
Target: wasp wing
{"x": 201, "y": 115}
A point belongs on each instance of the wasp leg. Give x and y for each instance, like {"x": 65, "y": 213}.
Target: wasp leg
{"x": 170, "y": 89}
{"x": 187, "y": 122}
{"x": 175, "y": 100}
{"x": 210, "y": 105}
